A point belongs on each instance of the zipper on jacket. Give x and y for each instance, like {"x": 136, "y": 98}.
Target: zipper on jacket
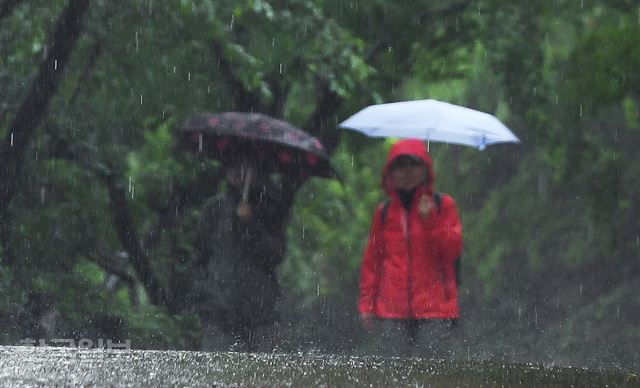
{"x": 407, "y": 227}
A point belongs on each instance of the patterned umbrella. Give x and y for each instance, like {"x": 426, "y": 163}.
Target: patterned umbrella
{"x": 276, "y": 145}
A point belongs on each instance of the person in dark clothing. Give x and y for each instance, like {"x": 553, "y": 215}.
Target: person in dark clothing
{"x": 241, "y": 242}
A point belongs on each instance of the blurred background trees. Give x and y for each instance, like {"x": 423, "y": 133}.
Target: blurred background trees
{"x": 97, "y": 207}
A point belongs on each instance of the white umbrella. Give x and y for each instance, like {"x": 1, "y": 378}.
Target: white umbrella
{"x": 430, "y": 120}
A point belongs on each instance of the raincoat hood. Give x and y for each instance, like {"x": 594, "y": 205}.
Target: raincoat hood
{"x": 412, "y": 147}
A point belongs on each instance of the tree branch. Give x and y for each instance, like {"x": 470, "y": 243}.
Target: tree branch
{"x": 94, "y": 53}
{"x": 122, "y": 218}
{"x": 373, "y": 51}
{"x": 445, "y": 11}
{"x": 123, "y": 222}
{"x": 280, "y": 92}
{"x": 327, "y": 104}
{"x": 7, "y": 6}
{"x": 33, "y": 109}
{"x": 245, "y": 100}
{"x": 111, "y": 266}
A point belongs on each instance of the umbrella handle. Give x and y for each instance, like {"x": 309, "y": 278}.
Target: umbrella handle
{"x": 247, "y": 184}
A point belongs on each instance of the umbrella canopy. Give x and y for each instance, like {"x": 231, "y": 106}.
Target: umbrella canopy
{"x": 274, "y": 144}
{"x": 430, "y": 120}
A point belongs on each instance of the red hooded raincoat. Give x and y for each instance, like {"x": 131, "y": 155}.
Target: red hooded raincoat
{"x": 408, "y": 271}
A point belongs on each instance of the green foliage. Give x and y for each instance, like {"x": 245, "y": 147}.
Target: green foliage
{"x": 551, "y": 231}
{"x": 330, "y": 224}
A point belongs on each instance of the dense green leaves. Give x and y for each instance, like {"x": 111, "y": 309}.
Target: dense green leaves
{"x": 551, "y": 231}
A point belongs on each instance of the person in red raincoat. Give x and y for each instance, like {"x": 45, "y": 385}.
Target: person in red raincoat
{"x": 408, "y": 284}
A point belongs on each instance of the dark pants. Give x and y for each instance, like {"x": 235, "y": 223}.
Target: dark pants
{"x": 429, "y": 338}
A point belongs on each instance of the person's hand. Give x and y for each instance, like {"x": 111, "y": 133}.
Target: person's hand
{"x": 424, "y": 206}
{"x": 367, "y": 321}
{"x": 244, "y": 211}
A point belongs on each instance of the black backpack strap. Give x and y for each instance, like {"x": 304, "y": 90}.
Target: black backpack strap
{"x": 385, "y": 210}
{"x": 437, "y": 198}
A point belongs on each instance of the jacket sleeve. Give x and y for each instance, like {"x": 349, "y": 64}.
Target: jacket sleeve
{"x": 448, "y": 231}
{"x": 371, "y": 263}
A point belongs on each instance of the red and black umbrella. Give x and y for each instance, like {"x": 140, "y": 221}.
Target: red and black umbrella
{"x": 275, "y": 145}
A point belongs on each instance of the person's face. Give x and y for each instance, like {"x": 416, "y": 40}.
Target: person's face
{"x": 408, "y": 173}
{"x": 236, "y": 174}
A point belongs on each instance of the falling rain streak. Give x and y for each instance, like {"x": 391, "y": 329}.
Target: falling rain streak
{"x": 132, "y": 188}
{"x": 86, "y": 146}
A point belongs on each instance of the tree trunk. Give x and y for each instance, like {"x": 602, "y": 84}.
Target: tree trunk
{"x": 7, "y": 6}
{"x": 34, "y": 107}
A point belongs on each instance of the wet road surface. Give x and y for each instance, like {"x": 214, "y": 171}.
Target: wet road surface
{"x": 66, "y": 366}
